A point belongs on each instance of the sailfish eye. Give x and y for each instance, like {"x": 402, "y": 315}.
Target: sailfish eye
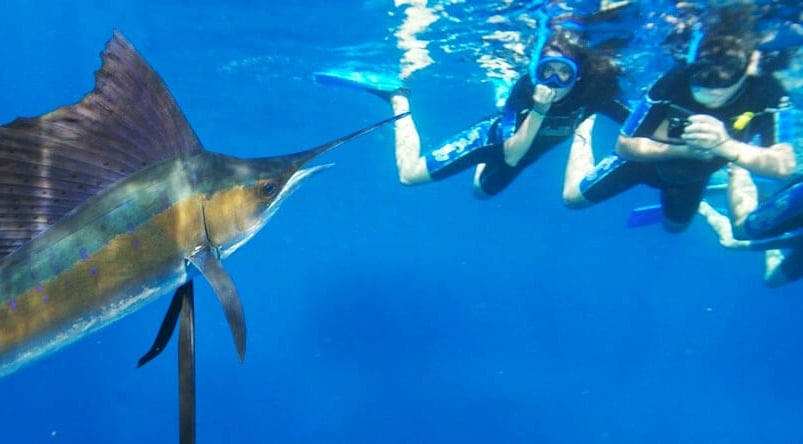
{"x": 270, "y": 189}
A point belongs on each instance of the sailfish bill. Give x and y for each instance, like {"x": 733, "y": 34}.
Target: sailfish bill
{"x": 112, "y": 202}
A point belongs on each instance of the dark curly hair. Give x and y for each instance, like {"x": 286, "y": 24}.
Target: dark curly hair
{"x": 728, "y": 31}
{"x": 721, "y": 48}
{"x": 598, "y": 71}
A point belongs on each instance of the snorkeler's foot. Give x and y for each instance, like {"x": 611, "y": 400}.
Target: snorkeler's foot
{"x": 773, "y": 273}
{"x": 381, "y": 85}
{"x": 479, "y": 193}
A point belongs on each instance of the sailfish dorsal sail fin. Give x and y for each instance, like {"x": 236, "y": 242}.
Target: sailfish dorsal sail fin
{"x": 50, "y": 164}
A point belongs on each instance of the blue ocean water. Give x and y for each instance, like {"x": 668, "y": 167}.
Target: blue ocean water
{"x": 382, "y": 313}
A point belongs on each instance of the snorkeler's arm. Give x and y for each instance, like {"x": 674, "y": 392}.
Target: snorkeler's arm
{"x": 777, "y": 161}
{"x": 644, "y": 149}
{"x": 707, "y": 132}
{"x": 519, "y": 143}
{"x": 742, "y": 198}
{"x": 645, "y": 137}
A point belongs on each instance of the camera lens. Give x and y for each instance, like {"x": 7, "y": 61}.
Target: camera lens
{"x": 675, "y": 127}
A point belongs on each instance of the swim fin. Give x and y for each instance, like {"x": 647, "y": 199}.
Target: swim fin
{"x": 376, "y": 83}
{"x": 646, "y": 215}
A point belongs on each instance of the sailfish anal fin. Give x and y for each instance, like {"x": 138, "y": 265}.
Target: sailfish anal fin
{"x": 212, "y": 269}
{"x": 168, "y": 324}
{"x": 50, "y": 164}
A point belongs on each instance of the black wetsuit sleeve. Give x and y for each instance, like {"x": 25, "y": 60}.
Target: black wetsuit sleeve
{"x": 776, "y": 124}
{"x": 518, "y": 102}
{"x": 615, "y": 109}
{"x": 654, "y": 107}
{"x": 468, "y": 150}
{"x": 665, "y": 87}
{"x": 521, "y": 95}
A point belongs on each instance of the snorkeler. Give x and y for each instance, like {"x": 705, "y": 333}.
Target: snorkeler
{"x": 774, "y": 226}
{"x": 557, "y": 100}
{"x": 714, "y": 109}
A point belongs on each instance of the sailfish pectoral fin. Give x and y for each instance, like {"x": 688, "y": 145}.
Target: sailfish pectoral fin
{"x": 168, "y": 324}
{"x": 210, "y": 266}
{"x": 186, "y": 368}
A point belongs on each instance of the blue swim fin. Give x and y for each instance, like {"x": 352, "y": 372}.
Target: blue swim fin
{"x": 646, "y": 215}
{"x": 787, "y": 37}
{"x": 382, "y": 85}
{"x": 652, "y": 214}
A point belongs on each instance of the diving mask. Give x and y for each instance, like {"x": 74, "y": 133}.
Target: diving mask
{"x": 556, "y": 71}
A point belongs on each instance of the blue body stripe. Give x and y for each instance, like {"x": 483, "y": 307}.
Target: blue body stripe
{"x": 636, "y": 117}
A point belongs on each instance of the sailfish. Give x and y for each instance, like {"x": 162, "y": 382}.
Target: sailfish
{"x": 112, "y": 202}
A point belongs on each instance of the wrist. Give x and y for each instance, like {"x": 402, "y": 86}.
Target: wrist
{"x": 684, "y": 151}
{"x": 539, "y": 109}
{"x": 730, "y": 151}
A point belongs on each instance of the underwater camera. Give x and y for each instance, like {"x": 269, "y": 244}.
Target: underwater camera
{"x": 676, "y": 126}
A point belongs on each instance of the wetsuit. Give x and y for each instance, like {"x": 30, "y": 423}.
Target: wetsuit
{"x": 483, "y": 142}
{"x": 683, "y": 181}
{"x": 779, "y": 221}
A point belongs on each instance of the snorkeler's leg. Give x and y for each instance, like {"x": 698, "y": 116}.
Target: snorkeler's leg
{"x": 468, "y": 148}
{"x": 610, "y": 177}
{"x": 783, "y": 266}
{"x": 680, "y": 204}
{"x": 742, "y": 198}
{"x": 721, "y": 224}
{"x": 579, "y": 165}
{"x": 773, "y": 276}
{"x": 782, "y": 213}
{"x": 411, "y": 166}
{"x": 478, "y": 192}
{"x": 493, "y": 177}
{"x": 718, "y": 222}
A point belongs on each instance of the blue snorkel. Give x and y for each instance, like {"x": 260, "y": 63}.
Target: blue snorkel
{"x": 546, "y": 21}
{"x": 694, "y": 44}
{"x": 540, "y": 43}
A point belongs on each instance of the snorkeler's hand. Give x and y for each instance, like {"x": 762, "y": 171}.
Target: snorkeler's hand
{"x": 698, "y": 152}
{"x": 543, "y": 96}
{"x": 705, "y": 132}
